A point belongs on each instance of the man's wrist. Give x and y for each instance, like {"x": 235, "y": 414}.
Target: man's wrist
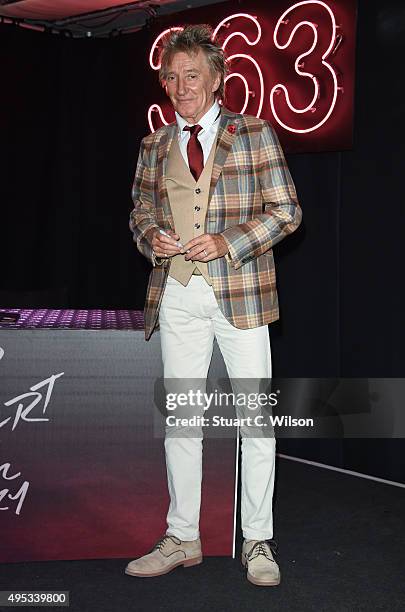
{"x": 150, "y": 234}
{"x": 225, "y": 245}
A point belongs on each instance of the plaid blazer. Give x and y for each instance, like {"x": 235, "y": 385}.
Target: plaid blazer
{"x": 252, "y": 203}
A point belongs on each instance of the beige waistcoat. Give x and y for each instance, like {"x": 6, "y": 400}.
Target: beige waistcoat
{"x": 188, "y": 202}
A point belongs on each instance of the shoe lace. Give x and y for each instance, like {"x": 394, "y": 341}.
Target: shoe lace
{"x": 261, "y": 548}
{"x": 160, "y": 544}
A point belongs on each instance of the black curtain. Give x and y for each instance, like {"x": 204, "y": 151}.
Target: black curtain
{"x": 72, "y": 119}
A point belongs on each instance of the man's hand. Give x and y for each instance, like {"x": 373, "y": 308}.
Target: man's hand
{"x": 215, "y": 246}
{"x": 162, "y": 245}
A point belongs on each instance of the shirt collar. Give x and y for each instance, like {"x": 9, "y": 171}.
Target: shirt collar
{"x": 206, "y": 121}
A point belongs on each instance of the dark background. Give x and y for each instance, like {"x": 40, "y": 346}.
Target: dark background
{"x": 72, "y": 116}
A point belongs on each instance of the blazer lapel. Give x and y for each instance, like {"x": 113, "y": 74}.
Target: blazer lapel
{"x": 164, "y": 145}
{"x": 225, "y": 139}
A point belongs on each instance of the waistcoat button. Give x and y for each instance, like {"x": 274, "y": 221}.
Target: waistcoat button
{"x": 197, "y": 207}
{"x": 197, "y": 225}
{"x": 198, "y": 190}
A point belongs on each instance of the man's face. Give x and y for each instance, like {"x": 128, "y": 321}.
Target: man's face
{"x": 190, "y": 85}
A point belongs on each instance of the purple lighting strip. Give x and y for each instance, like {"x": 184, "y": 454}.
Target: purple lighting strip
{"x": 44, "y": 318}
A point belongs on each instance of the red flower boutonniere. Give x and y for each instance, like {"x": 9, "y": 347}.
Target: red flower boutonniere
{"x": 232, "y": 128}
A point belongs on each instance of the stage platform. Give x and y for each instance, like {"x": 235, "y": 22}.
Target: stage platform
{"x": 82, "y": 467}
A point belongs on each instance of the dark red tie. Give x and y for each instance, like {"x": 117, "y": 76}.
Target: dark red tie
{"x": 194, "y": 151}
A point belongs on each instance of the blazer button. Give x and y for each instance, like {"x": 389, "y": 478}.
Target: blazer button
{"x": 197, "y": 207}
{"x": 198, "y": 190}
{"x": 197, "y": 225}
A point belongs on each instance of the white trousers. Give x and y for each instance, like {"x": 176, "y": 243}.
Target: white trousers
{"x": 189, "y": 320}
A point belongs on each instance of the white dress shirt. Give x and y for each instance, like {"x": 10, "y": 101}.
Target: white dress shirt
{"x": 209, "y": 123}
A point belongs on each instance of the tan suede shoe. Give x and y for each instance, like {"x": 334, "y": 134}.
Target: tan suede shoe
{"x": 168, "y": 553}
{"x": 257, "y": 556}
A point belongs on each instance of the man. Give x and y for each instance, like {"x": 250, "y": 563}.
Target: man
{"x": 217, "y": 184}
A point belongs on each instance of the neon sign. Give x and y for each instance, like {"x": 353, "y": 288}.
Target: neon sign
{"x": 287, "y": 74}
{"x": 284, "y": 20}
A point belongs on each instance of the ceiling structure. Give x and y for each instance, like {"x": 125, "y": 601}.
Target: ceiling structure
{"x": 90, "y": 18}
